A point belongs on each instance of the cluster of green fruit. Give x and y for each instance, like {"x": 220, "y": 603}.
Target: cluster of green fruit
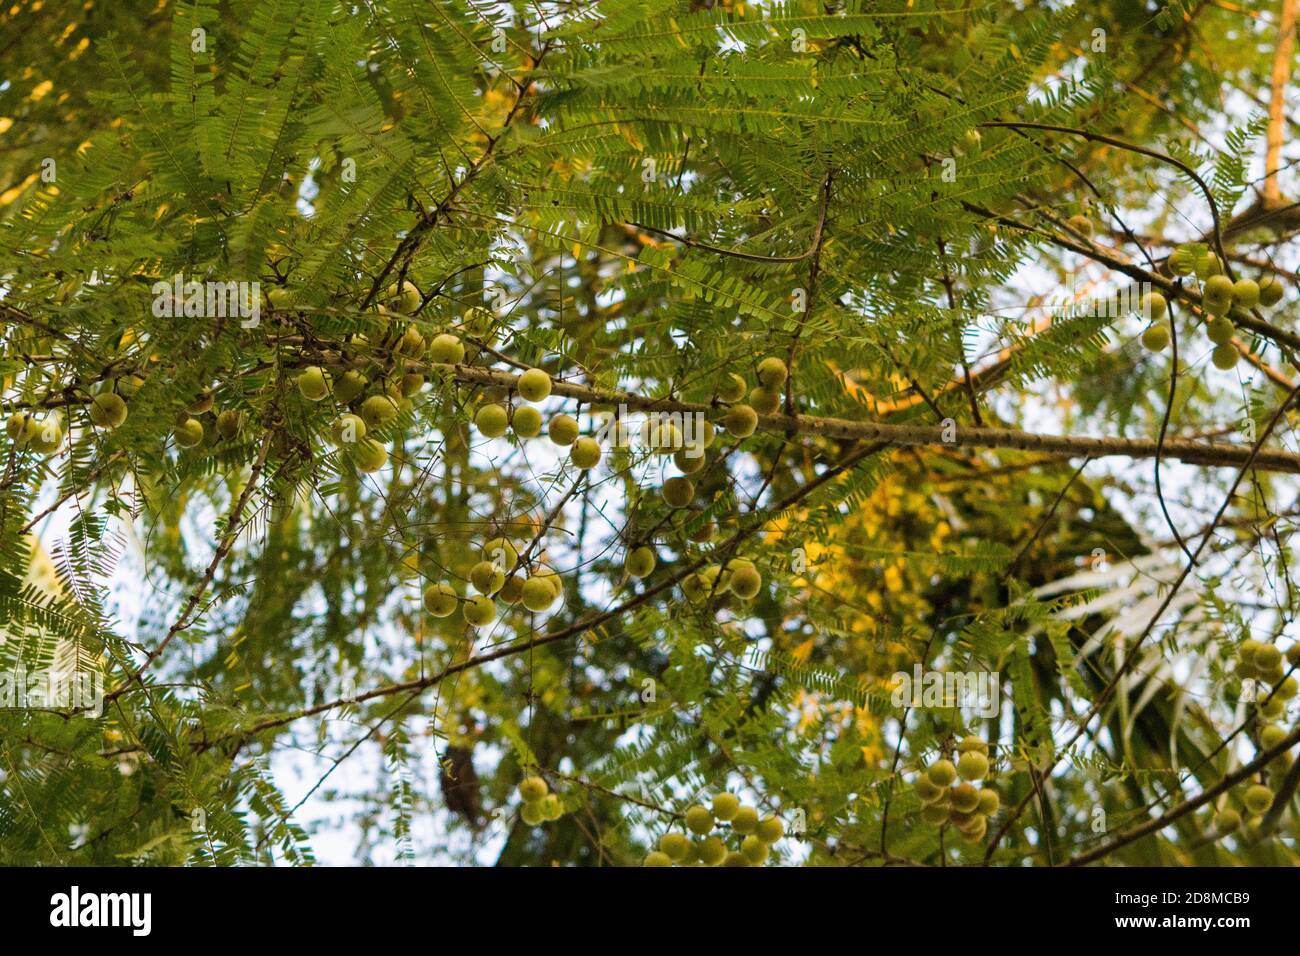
{"x": 43, "y": 434}
{"x": 944, "y": 800}
{"x": 200, "y": 423}
{"x": 1219, "y": 296}
{"x": 739, "y": 577}
{"x": 1259, "y": 661}
{"x": 757, "y": 836}
{"x": 540, "y": 805}
{"x": 493, "y": 576}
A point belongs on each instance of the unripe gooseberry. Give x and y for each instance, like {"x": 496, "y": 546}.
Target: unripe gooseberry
{"x": 764, "y": 401}
{"x": 698, "y": 819}
{"x": 1208, "y": 265}
{"x": 487, "y": 577}
{"x": 480, "y": 610}
{"x": 1272, "y": 708}
{"x": 658, "y": 858}
{"x": 370, "y": 455}
{"x": 935, "y": 814}
{"x": 411, "y": 384}
{"x": 772, "y": 372}
{"x": 639, "y": 562}
{"x": 405, "y": 300}
{"x": 972, "y": 765}
{"x": 1156, "y": 337}
{"x": 1267, "y": 657}
{"x": 440, "y": 601}
{"x": 725, "y": 806}
{"x": 1270, "y": 735}
{"x": 745, "y": 581}
{"x": 926, "y": 791}
{"x": 347, "y": 429}
{"x": 660, "y": 436}
{"x": 1270, "y": 290}
{"x": 1217, "y": 288}
{"x": 538, "y": 594}
{"x": 770, "y": 829}
{"x": 1224, "y": 357}
{"x": 492, "y": 421}
{"x": 348, "y": 386}
{"x": 313, "y": 383}
{"x": 107, "y": 410}
{"x": 378, "y": 410}
{"x": 1153, "y": 306}
{"x": 678, "y": 491}
{"x": 189, "y": 432}
{"x": 689, "y": 460}
{"x": 229, "y": 422}
{"x": 534, "y": 385}
{"x": 527, "y": 422}
{"x": 735, "y": 859}
{"x": 741, "y": 421}
{"x": 563, "y": 429}
{"x": 754, "y": 850}
{"x": 733, "y": 388}
{"x": 202, "y": 404}
{"x": 551, "y": 808}
{"x": 1245, "y": 293}
{"x": 533, "y": 815}
{"x": 532, "y": 789}
{"x": 1080, "y": 224}
{"x": 745, "y": 821}
{"x": 675, "y": 845}
{"x": 711, "y": 851}
{"x": 1182, "y": 261}
{"x": 502, "y": 553}
{"x": 1247, "y": 649}
{"x": 512, "y": 590}
{"x": 989, "y": 802}
{"x": 942, "y": 773}
{"x": 971, "y": 743}
{"x": 1293, "y": 654}
{"x": 1258, "y": 798}
{"x": 585, "y": 454}
{"x": 411, "y": 343}
{"x": 447, "y": 349}
{"x": 976, "y": 831}
{"x": 1221, "y": 330}
{"x": 703, "y": 531}
{"x": 965, "y": 798}
{"x": 1286, "y": 690}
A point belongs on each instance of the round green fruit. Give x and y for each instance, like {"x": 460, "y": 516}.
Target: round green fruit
{"x": 1270, "y": 735}
{"x": 711, "y": 851}
{"x": 585, "y": 454}
{"x": 534, "y": 385}
{"x": 313, "y": 383}
{"x": 487, "y": 577}
{"x": 348, "y": 386}
{"x": 770, "y": 829}
{"x": 533, "y": 814}
{"x": 512, "y": 590}
{"x": 935, "y": 814}
{"x": 772, "y": 372}
{"x": 942, "y": 773}
{"x": 551, "y": 808}
{"x": 440, "y": 601}
{"x": 675, "y": 845}
{"x": 1293, "y": 654}
{"x": 689, "y": 460}
{"x": 733, "y": 388}
{"x": 1245, "y": 293}
{"x": 754, "y": 850}
{"x": 229, "y": 422}
{"x": 965, "y": 798}
{"x": 972, "y": 744}
{"x": 1080, "y": 224}
{"x": 658, "y": 858}
{"x": 1267, "y": 657}
{"x": 1221, "y": 330}
{"x": 678, "y": 492}
{"x": 1227, "y": 820}
{"x": 699, "y": 820}
{"x": 973, "y": 765}
{"x": 480, "y": 611}
{"x": 1182, "y": 261}
{"x": 1224, "y": 357}
{"x": 1270, "y": 290}
{"x": 746, "y": 582}
{"x": 501, "y": 553}
{"x": 370, "y": 455}
{"x": 764, "y": 401}
{"x": 1258, "y": 798}
{"x": 446, "y": 349}
{"x": 189, "y": 433}
{"x": 735, "y": 859}
{"x": 1156, "y": 337}
{"x": 532, "y": 789}
{"x": 348, "y": 429}
{"x": 107, "y": 410}
{"x": 492, "y": 421}
{"x": 1153, "y": 306}
{"x": 989, "y": 802}
{"x": 725, "y": 806}
{"x": 745, "y": 821}
{"x": 378, "y": 410}
{"x": 1208, "y": 265}
{"x": 202, "y": 404}
{"x": 639, "y": 562}
{"x": 527, "y": 422}
{"x": 563, "y": 430}
{"x": 538, "y": 594}
{"x": 741, "y": 421}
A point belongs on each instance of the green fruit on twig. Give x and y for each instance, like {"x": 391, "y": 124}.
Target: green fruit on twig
{"x": 745, "y": 581}
{"x": 447, "y": 349}
{"x": 733, "y": 388}
{"x": 1227, "y": 820}
{"x": 1258, "y": 798}
{"x": 534, "y": 385}
{"x": 935, "y": 814}
{"x": 675, "y": 845}
{"x": 972, "y": 744}
{"x": 313, "y": 383}
{"x": 440, "y": 600}
{"x": 989, "y": 802}
{"x": 563, "y": 430}
{"x": 492, "y": 421}
{"x": 972, "y": 765}
{"x": 189, "y": 432}
{"x": 754, "y": 850}
{"x": 745, "y": 821}
{"x": 501, "y": 553}
{"x": 203, "y": 403}
{"x": 725, "y": 806}
{"x": 378, "y": 410}
{"x": 479, "y": 611}
{"x": 486, "y": 577}
{"x": 1225, "y": 357}
{"x": 370, "y": 455}
{"x": 678, "y": 492}
{"x": 229, "y": 422}
{"x": 527, "y": 422}
{"x": 698, "y": 819}
{"x": 347, "y": 429}
{"x": 772, "y": 372}
{"x": 1267, "y": 657}
{"x": 1153, "y": 306}
{"x": 770, "y": 829}
{"x": 658, "y": 858}
{"x": 348, "y": 386}
{"x": 764, "y": 401}
{"x": 585, "y": 453}
{"x": 532, "y": 789}
{"x": 711, "y": 851}
{"x": 639, "y": 562}
{"x": 1245, "y": 293}
{"x": 1182, "y": 261}
{"x": 538, "y": 594}
{"x": 942, "y": 773}
{"x": 1271, "y": 290}
{"x": 1156, "y": 337}
{"x": 107, "y": 410}
{"x": 1221, "y": 330}
{"x": 1208, "y": 265}
{"x": 1080, "y": 224}
{"x": 741, "y": 421}
{"x": 965, "y": 798}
